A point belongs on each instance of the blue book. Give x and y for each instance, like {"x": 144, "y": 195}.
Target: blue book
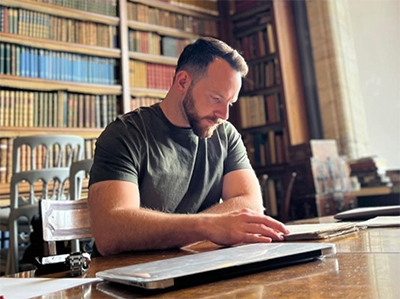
{"x": 63, "y": 67}
{"x": 32, "y": 62}
{"x": 27, "y": 62}
{"x": 68, "y": 67}
{"x": 36, "y": 63}
{"x": 45, "y": 64}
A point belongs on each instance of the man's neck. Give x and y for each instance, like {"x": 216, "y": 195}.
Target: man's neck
{"x": 173, "y": 110}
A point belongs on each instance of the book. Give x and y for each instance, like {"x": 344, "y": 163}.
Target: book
{"x": 319, "y": 230}
{"x": 381, "y": 221}
{"x": 369, "y": 212}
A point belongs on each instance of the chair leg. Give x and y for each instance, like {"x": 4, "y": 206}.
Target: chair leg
{"x": 13, "y": 258}
{"x": 75, "y": 246}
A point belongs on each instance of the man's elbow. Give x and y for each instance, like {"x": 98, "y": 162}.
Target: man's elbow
{"x": 105, "y": 245}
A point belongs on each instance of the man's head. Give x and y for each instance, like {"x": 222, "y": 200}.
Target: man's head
{"x": 215, "y": 72}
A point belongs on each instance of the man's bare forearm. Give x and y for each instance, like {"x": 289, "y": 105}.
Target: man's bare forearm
{"x": 142, "y": 229}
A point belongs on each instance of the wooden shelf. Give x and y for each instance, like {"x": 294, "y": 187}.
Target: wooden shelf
{"x": 279, "y": 126}
{"x": 61, "y": 11}
{"x": 180, "y": 8}
{"x": 161, "y": 30}
{"x": 148, "y": 92}
{"x": 153, "y": 58}
{"x": 372, "y": 191}
{"x": 250, "y": 12}
{"x": 265, "y": 91}
{"x": 51, "y": 85}
{"x": 25, "y": 131}
{"x": 59, "y": 46}
{"x": 261, "y": 59}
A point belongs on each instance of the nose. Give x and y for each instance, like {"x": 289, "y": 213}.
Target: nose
{"x": 222, "y": 112}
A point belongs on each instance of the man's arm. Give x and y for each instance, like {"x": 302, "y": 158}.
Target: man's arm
{"x": 240, "y": 190}
{"x": 119, "y": 224}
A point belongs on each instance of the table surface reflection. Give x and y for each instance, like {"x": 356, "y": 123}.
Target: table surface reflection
{"x": 367, "y": 265}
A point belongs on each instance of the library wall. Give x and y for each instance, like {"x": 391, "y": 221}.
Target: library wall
{"x": 339, "y": 92}
{"x": 377, "y": 41}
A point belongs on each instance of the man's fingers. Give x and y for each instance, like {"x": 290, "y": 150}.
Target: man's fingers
{"x": 267, "y": 221}
{"x": 263, "y": 230}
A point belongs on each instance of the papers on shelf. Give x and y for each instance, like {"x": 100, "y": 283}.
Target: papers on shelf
{"x": 382, "y": 221}
{"x": 319, "y": 230}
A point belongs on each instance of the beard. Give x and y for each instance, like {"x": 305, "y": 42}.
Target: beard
{"x": 196, "y": 122}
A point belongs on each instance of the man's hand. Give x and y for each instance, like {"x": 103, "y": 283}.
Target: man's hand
{"x": 244, "y": 226}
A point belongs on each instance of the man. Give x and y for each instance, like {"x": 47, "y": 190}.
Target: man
{"x": 160, "y": 173}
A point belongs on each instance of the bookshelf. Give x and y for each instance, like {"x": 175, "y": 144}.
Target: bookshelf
{"x": 58, "y": 55}
{"x": 270, "y": 113}
{"x": 144, "y": 39}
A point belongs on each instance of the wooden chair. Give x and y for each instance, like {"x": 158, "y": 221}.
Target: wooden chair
{"x": 32, "y": 156}
{"x": 64, "y": 221}
{"x": 285, "y": 211}
{"x": 77, "y": 172}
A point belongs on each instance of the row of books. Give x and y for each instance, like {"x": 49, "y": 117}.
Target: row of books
{"x": 155, "y": 16}
{"x": 40, "y": 25}
{"x": 150, "y": 75}
{"x": 259, "y": 110}
{"x": 265, "y": 148}
{"x": 105, "y": 7}
{"x": 370, "y": 171}
{"x": 262, "y": 75}
{"x": 56, "y": 109}
{"x": 153, "y": 43}
{"x": 257, "y": 44}
{"x": 53, "y": 65}
{"x": 42, "y": 156}
{"x": 143, "y": 102}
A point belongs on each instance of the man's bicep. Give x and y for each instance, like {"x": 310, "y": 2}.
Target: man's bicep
{"x": 106, "y": 196}
{"x": 242, "y": 182}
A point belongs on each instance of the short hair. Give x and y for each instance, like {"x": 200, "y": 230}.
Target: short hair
{"x": 197, "y": 56}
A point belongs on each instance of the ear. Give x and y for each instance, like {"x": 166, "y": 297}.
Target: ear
{"x": 183, "y": 81}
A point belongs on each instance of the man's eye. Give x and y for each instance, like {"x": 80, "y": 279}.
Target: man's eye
{"x": 215, "y": 99}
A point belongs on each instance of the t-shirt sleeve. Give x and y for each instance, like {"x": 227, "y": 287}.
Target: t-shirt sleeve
{"x": 116, "y": 155}
{"x": 236, "y": 151}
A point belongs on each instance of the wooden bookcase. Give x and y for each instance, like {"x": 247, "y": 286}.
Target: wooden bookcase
{"x": 33, "y": 17}
{"x": 270, "y": 113}
{"x": 146, "y": 19}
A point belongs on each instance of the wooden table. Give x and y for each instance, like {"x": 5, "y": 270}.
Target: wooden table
{"x": 367, "y": 265}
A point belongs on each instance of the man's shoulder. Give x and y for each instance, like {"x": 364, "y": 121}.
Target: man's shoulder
{"x": 227, "y": 129}
{"x": 141, "y": 113}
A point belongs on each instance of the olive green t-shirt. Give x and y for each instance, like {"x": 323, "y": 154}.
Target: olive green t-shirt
{"x": 176, "y": 171}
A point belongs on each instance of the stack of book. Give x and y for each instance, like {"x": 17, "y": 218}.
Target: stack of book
{"x": 370, "y": 171}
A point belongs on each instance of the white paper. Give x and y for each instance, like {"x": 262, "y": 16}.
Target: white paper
{"x": 23, "y": 288}
{"x": 381, "y": 221}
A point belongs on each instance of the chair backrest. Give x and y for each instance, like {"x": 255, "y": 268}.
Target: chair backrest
{"x": 77, "y": 173}
{"x": 53, "y": 185}
{"x": 46, "y": 151}
{"x": 64, "y": 220}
